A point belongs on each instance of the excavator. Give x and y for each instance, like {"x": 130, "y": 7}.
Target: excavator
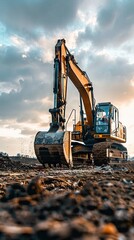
{"x": 97, "y": 138}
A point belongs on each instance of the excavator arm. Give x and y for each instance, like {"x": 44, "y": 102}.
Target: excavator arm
{"x": 54, "y": 146}
{"x": 59, "y": 87}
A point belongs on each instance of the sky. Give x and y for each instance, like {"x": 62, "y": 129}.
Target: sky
{"x": 100, "y": 34}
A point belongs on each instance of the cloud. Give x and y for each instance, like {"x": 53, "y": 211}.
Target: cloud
{"x": 115, "y": 25}
{"x": 111, "y": 77}
{"x": 33, "y": 16}
{"x": 27, "y": 131}
{"x": 25, "y": 82}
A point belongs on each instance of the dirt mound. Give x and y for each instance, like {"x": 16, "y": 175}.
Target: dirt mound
{"x": 91, "y": 203}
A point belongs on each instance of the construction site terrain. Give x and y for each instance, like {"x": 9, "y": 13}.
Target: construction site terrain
{"x": 84, "y": 203}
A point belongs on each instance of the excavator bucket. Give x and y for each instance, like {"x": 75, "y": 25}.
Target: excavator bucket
{"x": 54, "y": 148}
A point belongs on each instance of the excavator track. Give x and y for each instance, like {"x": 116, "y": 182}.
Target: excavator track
{"x": 99, "y": 153}
{"x": 108, "y": 152}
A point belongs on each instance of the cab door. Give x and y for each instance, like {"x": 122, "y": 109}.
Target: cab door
{"x": 114, "y": 120}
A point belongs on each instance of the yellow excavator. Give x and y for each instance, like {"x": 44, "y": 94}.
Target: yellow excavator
{"x": 96, "y": 138}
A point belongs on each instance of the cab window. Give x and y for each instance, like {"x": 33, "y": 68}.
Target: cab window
{"x": 102, "y": 119}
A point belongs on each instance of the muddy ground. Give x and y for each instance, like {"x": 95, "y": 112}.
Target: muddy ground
{"x": 90, "y": 203}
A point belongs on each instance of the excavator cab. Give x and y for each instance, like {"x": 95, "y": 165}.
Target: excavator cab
{"x": 109, "y": 134}
{"x": 107, "y": 124}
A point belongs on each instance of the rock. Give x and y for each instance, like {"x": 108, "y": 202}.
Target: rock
{"x": 14, "y": 190}
{"x": 51, "y": 229}
{"x": 107, "y": 208}
{"x": 15, "y": 232}
{"x": 122, "y": 219}
{"x": 35, "y": 186}
{"x": 109, "y": 230}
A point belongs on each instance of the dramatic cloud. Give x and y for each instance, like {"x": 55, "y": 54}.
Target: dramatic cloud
{"x": 25, "y": 82}
{"x": 114, "y": 25}
{"x": 34, "y": 16}
{"x": 110, "y": 77}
